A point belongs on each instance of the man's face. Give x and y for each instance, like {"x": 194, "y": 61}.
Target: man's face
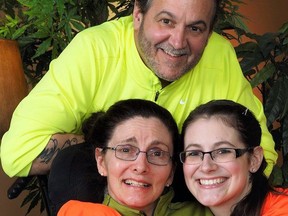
{"x": 172, "y": 35}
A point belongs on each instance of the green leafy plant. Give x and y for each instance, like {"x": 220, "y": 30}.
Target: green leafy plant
{"x": 35, "y": 194}
{"x": 264, "y": 60}
{"x": 44, "y": 28}
{"x": 230, "y": 22}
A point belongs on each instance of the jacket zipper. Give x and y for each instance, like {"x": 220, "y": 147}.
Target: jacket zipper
{"x": 156, "y": 96}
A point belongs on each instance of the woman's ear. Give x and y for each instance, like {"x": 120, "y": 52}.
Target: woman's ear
{"x": 171, "y": 176}
{"x": 99, "y": 156}
{"x": 137, "y": 17}
{"x": 256, "y": 159}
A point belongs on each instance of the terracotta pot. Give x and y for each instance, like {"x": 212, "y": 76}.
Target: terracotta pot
{"x": 13, "y": 85}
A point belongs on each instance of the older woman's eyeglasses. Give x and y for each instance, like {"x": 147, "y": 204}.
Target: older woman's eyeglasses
{"x": 129, "y": 152}
{"x": 221, "y": 155}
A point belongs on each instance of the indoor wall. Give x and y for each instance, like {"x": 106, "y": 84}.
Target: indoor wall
{"x": 264, "y": 16}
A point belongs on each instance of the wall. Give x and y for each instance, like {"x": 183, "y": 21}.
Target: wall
{"x": 264, "y": 16}
{"x": 12, "y": 207}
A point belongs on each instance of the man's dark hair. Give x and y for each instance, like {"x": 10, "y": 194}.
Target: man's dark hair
{"x": 144, "y": 6}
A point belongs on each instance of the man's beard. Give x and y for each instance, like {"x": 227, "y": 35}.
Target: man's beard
{"x": 148, "y": 52}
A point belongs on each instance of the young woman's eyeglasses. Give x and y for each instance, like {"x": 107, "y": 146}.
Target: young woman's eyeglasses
{"x": 221, "y": 155}
{"x": 154, "y": 155}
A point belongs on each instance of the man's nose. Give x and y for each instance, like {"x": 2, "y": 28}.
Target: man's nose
{"x": 178, "y": 38}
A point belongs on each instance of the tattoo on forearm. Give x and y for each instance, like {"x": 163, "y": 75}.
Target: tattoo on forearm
{"x": 50, "y": 152}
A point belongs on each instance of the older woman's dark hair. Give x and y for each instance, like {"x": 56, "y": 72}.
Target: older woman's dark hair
{"x": 242, "y": 120}
{"x": 99, "y": 128}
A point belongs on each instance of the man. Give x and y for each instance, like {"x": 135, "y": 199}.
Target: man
{"x": 165, "y": 52}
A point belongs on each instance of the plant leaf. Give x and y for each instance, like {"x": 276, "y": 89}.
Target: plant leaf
{"x": 19, "y": 32}
{"x": 34, "y": 202}
{"x": 29, "y": 197}
{"x": 276, "y": 176}
{"x": 267, "y": 43}
{"x": 285, "y": 171}
{"x": 249, "y": 55}
{"x": 77, "y": 25}
{"x": 276, "y": 104}
{"x": 43, "y": 47}
{"x": 264, "y": 74}
{"x": 284, "y": 28}
{"x": 284, "y": 124}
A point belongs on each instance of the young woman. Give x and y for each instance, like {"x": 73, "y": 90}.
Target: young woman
{"x": 134, "y": 145}
{"x": 223, "y": 162}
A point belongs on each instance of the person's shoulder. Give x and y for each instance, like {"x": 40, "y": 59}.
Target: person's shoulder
{"x": 107, "y": 37}
{"x": 121, "y": 24}
{"x": 218, "y": 40}
{"x": 219, "y": 53}
{"x": 276, "y": 202}
{"x": 76, "y": 208}
{"x": 278, "y": 193}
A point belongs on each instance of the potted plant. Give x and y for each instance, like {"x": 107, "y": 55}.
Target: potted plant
{"x": 44, "y": 28}
{"x": 11, "y": 73}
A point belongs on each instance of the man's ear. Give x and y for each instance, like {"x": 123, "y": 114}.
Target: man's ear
{"x": 137, "y": 17}
{"x": 256, "y": 159}
{"x": 99, "y": 156}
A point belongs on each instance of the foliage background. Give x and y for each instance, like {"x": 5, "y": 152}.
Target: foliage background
{"x": 43, "y": 29}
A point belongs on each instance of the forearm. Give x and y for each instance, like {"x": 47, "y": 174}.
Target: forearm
{"x": 41, "y": 165}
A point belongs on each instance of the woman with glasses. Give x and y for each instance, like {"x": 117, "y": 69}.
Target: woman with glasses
{"x": 134, "y": 144}
{"x": 223, "y": 162}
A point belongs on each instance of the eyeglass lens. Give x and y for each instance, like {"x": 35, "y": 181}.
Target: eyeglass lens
{"x": 154, "y": 155}
{"x": 219, "y": 155}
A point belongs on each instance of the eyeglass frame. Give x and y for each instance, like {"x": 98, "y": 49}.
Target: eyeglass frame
{"x": 238, "y": 153}
{"x": 137, "y": 154}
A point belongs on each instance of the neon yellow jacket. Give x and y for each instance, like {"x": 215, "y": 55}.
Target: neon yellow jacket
{"x": 101, "y": 66}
